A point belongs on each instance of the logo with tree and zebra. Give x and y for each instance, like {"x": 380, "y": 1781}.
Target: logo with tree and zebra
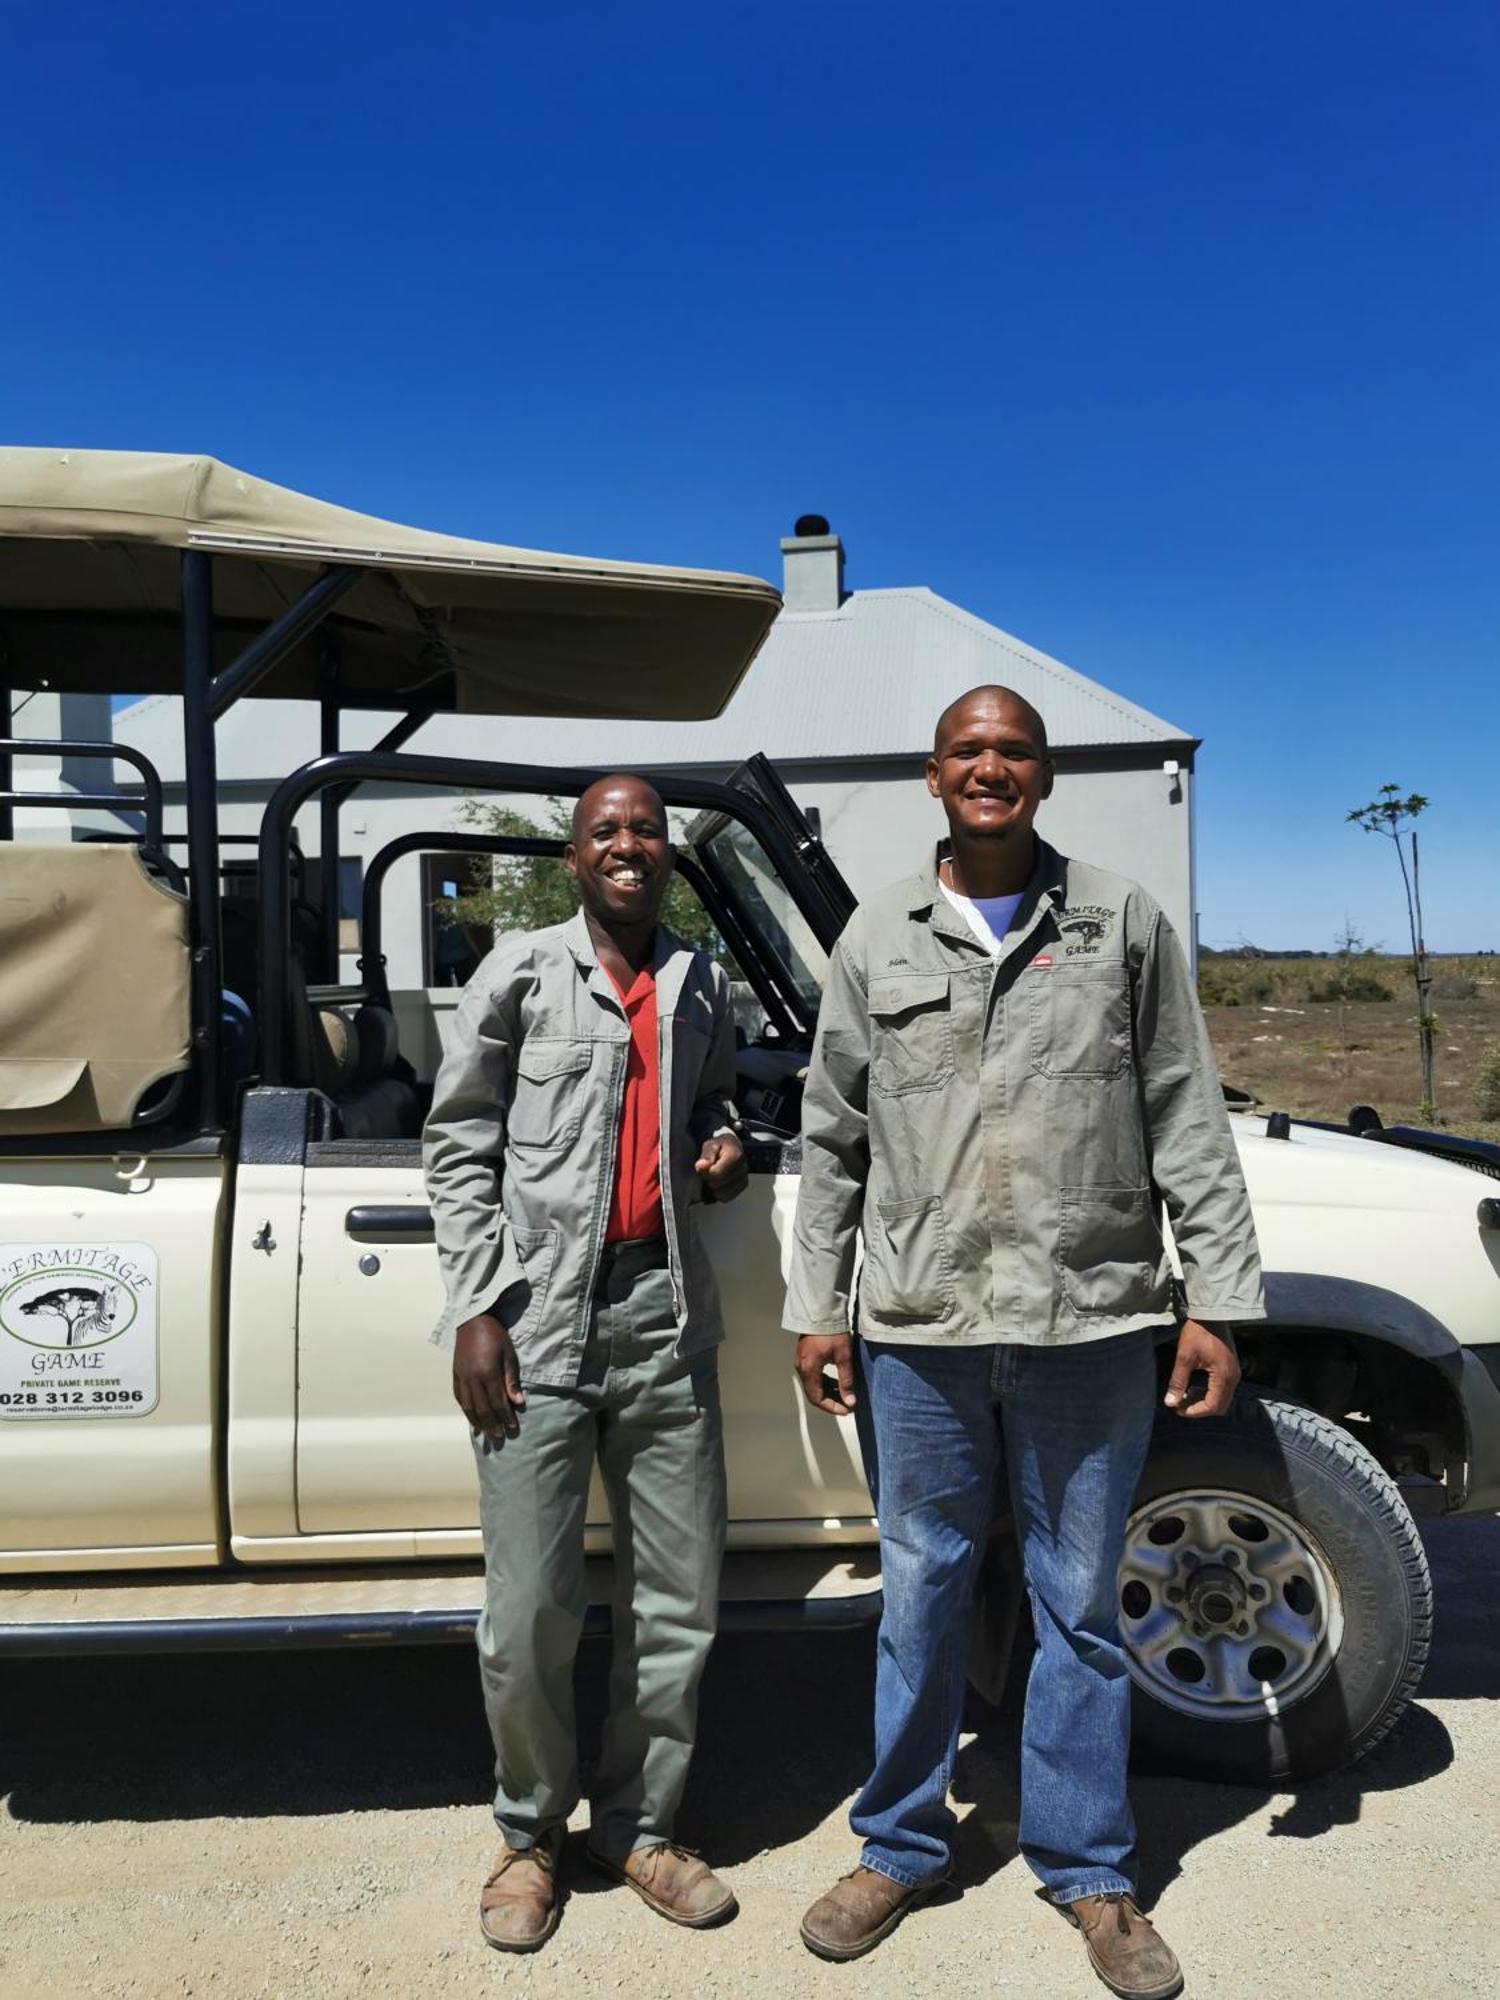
{"x": 70, "y": 1299}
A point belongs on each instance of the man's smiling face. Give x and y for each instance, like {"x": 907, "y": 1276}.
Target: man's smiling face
{"x": 620, "y": 855}
{"x": 989, "y": 766}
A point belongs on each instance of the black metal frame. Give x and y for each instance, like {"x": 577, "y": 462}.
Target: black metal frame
{"x": 726, "y": 915}
{"x": 206, "y": 696}
{"x": 332, "y": 777}
{"x": 149, "y": 804}
{"x": 538, "y": 780}
{"x": 7, "y": 815}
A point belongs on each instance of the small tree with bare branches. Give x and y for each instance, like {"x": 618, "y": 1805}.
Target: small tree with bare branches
{"x": 1396, "y": 817}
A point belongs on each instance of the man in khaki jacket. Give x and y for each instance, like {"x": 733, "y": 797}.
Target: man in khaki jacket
{"x": 582, "y": 1110}
{"x": 1011, "y": 1074}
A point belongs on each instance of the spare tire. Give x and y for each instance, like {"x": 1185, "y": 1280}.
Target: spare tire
{"x": 1275, "y": 1599}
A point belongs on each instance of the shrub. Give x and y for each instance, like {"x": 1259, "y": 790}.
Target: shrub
{"x": 1487, "y": 1082}
{"x": 1455, "y": 989}
{"x": 1351, "y": 986}
{"x": 1226, "y": 983}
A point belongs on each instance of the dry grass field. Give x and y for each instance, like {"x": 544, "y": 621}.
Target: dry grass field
{"x": 1280, "y": 1030}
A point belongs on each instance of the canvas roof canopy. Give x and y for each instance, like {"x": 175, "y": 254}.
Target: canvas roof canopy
{"x": 90, "y": 599}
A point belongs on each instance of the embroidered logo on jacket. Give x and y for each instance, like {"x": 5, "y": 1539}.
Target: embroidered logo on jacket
{"x": 1085, "y": 927}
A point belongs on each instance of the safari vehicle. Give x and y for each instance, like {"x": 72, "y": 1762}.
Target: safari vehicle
{"x": 221, "y": 1422}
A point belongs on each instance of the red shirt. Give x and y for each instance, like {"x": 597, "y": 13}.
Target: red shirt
{"x": 635, "y": 1205}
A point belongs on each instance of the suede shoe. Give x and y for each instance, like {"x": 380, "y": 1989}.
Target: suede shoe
{"x": 673, "y": 1881}
{"x": 1124, "y": 1948}
{"x": 859, "y": 1910}
{"x": 519, "y": 1905}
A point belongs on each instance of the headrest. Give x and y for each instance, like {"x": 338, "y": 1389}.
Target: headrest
{"x": 379, "y": 1044}
{"x": 335, "y": 1051}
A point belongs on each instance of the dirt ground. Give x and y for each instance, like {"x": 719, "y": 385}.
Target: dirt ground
{"x": 315, "y": 1825}
{"x": 1316, "y": 1059}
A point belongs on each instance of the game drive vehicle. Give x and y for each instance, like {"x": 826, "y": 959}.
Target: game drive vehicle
{"x": 221, "y": 1422}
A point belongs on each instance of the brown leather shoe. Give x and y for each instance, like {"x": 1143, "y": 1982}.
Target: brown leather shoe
{"x": 519, "y": 1905}
{"x": 674, "y": 1882}
{"x": 859, "y": 1910}
{"x": 1124, "y": 1949}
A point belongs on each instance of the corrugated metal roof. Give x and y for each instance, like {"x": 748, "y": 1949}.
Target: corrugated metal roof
{"x": 867, "y": 680}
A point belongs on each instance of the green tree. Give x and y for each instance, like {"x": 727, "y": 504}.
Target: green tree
{"x": 526, "y": 892}
{"x": 1395, "y": 817}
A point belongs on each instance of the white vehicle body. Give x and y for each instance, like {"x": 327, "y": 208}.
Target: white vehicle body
{"x": 236, "y": 1431}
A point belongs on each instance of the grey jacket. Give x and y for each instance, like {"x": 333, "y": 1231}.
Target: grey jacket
{"x": 520, "y": 1144}
{"x": 1004, "y": 1131}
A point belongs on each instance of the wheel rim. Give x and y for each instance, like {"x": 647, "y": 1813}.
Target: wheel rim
{"x": 1228, "y": 1607}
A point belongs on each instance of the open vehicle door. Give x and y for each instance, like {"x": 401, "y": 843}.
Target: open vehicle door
{"x": 369, "y": 1392}
{"x": 737, "y": 862}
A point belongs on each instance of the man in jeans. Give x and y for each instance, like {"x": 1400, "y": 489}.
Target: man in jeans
{"x": 582, "y": 1109}
{"x": 1011, "y": 1070}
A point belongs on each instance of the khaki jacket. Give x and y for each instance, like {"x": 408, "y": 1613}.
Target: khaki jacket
{"x": 520, "y": 1144}
{"x": 1005, "y": 1132}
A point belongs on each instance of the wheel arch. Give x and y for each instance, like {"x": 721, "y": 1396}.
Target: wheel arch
{"x": 1390, "y": 1372}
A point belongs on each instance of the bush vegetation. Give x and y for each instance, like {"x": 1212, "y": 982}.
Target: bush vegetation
{"x": 1487, "y": 1083}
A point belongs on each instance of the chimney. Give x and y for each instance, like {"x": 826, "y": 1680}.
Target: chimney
{"x": 813, "y": 566}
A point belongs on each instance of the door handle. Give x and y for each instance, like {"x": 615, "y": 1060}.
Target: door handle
{"x": 377, "y": 1223}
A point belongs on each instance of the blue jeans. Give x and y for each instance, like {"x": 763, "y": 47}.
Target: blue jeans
{"x": 1069, "y": 1427}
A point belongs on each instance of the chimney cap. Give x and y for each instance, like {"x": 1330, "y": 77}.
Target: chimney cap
{"x": 811, "y": 524}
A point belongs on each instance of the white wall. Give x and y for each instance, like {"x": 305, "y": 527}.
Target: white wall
{"x": 76, "y": 718}
{"x": 879, "y": 823}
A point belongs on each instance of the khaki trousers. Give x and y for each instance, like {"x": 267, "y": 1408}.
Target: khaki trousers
{"x": 652, "y": 1422}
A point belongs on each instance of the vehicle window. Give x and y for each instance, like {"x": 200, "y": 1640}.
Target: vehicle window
{"x": 768, "y": 905}
{"x": 469, "y": 900}
{"x": 452, "y": 942}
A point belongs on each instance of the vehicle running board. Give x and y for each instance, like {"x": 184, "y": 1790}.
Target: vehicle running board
{"x": 239, "y": 1610}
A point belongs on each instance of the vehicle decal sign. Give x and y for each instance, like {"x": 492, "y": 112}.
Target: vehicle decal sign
{"x": 78, "y": 1329}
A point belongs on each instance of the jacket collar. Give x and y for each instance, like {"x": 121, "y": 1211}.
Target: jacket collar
{"x": 1049, "y": 881}
{"x": 1047, "y": 889}
{"x": 670, "y": 960}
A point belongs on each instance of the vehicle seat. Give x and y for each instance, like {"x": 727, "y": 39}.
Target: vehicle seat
{"x": 381, "y": 1102}
{"x": 352, "y": 1054}
{"x": 95, "y": 992}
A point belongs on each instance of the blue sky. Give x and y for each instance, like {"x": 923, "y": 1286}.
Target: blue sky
{"x": 1164, "y": 336}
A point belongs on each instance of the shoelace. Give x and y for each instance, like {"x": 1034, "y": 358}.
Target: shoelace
{"x": 540, "y": 1854}
{"x": 670, "y": 1847}
{"x": 1124, "y": 1909}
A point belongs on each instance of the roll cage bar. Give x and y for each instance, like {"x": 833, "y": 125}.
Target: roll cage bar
{"x": 436, "y": 840}
{"x": 210, "y": 690}
{"x": 536, "y": 780}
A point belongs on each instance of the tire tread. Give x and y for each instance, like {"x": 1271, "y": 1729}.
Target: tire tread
{"x": 1384, "y": 1496}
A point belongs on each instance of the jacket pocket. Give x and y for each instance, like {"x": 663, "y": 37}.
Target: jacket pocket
{"x": 546, "y": 1109}
{"x": 524, "y": 1300}
{"x": 1110, "y": 1249}
{"x": 908, "y": 1274}
{"x": 1080, "y": 1021}
{"x": 911, "y": 1034}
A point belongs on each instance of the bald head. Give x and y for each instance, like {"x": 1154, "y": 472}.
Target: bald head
{"x": 987, "y": 701}
{"x": 601, "y": 796}
{"x": 620, "y": 855}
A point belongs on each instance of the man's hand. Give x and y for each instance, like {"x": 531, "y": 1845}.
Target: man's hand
{"x": 487, "y": 1379}
{"x": 1202, "y": 1351}
{"x": 721, "y": 1159}
{"x": 820, "y": 1355}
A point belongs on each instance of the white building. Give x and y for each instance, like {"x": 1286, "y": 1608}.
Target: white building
{"x": 842, "y": 698}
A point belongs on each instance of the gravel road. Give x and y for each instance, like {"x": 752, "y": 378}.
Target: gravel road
{"x": 315, "y": 1825}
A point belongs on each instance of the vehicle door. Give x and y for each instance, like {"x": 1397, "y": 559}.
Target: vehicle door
{"x": 381, "y": 1451}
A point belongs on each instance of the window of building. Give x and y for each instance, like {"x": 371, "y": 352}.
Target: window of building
{"x": 451, "y": 950}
